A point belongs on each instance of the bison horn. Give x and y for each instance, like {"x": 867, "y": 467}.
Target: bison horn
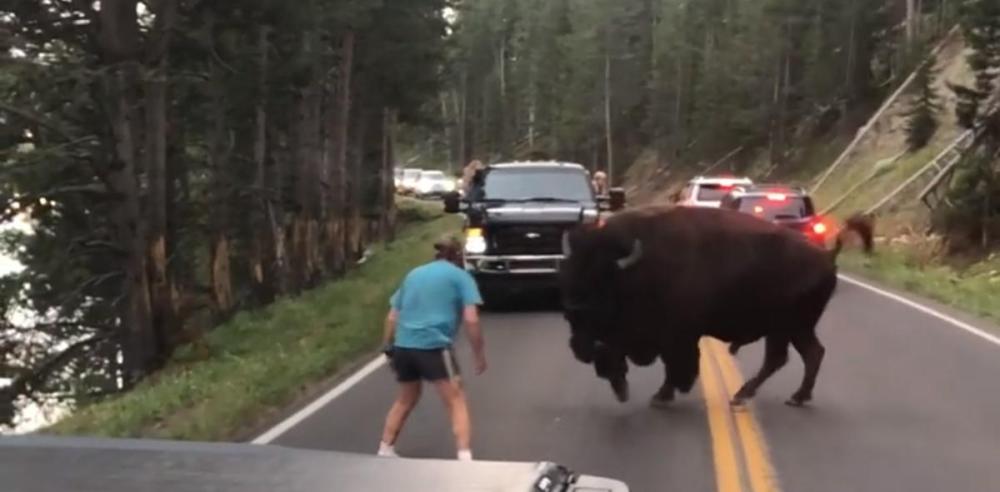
{"x": 633, "y": 257}
{"x": 565, "y": 244}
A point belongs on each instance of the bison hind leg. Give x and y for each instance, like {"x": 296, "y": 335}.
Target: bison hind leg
{"x": 812, "y": 352}
{"x": 775, "y": 357}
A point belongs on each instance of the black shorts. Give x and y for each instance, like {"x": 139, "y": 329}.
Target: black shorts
{"x": 412, "y": 365}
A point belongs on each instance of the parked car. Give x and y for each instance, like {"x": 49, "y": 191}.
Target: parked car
{"x": 397, "y": 177}
{"x": 127, "y": 465}
{"x": 433, "y": 184}
{"x": 408, "y": 183}
{"x": 516, "y": 214}
{"x": 708, "y": 191}
{"x": 784, "y": 205}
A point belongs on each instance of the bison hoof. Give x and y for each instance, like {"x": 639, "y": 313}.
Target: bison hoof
{"x": 620, "y": 389}
{"x": 798, "y": 400}
{"x": 660, "y": 401}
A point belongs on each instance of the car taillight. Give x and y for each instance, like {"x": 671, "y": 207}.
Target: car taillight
{"x": 776, "y": 197}
{"x": 819, "y": 228}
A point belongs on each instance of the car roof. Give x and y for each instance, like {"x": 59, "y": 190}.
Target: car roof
{"x": 126, "y": 465}
{"x": 721, "y": 180}
{"x": 764, "y": 189}
{"x": 537, "y": 164}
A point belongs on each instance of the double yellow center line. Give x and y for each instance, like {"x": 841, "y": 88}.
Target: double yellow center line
{"x": 742, "y": 462}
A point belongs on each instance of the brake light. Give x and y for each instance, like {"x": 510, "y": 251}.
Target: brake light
{"x": 819, "y": 228}
{"x": 758, "y": 210}
{"x": 776, "y": 197}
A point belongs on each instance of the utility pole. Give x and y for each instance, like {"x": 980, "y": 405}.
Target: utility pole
{"x": 607, "y": 111}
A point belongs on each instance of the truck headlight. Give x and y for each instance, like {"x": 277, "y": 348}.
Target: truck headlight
{"x": 475, "y": 243}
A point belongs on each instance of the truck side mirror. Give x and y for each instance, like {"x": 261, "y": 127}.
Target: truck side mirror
{"x": 451, "y": 203}
{"x": 616, "y": 199}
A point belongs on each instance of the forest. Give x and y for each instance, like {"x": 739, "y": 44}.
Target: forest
{"x": 179, "y": 161}
{"x": 601, "y": 82}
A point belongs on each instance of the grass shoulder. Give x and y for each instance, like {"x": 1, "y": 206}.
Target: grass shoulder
{"x": 974, "y": 289}
{"x": 260, "y": 362}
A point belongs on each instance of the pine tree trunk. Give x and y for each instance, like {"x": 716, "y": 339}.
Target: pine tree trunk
{"x": 162, "y": 294}
{"x": 339, "y": 120}
{"x": 607, "y": 118}
{"x": 262, "y": 264}
{"x": 219, "y": 150}
{"x": 118, "y": 34}
{"x": 140, "y": 347}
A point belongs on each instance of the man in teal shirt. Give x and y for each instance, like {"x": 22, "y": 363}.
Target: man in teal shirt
{"x": 424, "y": 315}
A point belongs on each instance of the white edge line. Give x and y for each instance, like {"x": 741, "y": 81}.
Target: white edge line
{"x": 286, "y": 425}
{"x": 924, "y": 309}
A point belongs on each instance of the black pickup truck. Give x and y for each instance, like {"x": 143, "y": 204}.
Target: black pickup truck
{"x": 516, "y": 214}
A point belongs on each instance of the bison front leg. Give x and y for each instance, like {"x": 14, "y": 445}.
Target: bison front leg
{"x": 665, "y": 395}
{"x": 775, "y": 357}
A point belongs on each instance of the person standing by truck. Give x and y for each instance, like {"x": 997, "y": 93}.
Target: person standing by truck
{"x": 420, "y": 329}
{"x": 600, "y": 183}
{"x": 468, "y": 175}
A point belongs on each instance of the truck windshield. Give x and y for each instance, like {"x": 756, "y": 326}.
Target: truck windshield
{"x": 542, "y": 183}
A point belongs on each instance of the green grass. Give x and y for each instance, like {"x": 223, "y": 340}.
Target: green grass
{"x": 261, "y": 361}
{"x": 975, "y": 290}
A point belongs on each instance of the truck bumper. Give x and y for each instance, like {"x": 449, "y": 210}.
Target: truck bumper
{"x": 511, "y": 273}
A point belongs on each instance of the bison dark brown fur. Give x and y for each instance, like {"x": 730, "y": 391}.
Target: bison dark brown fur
{"x": 654, "y": 280}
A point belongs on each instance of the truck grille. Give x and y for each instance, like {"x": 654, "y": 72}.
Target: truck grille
{"x": 535, "y": 239}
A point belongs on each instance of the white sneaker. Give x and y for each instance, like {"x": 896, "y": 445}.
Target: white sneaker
{"x": 465, "y": 455}
{"x": 387, "y": 451}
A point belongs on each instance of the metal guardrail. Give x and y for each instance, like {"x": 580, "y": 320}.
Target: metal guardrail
{"x": 953, "y": 153}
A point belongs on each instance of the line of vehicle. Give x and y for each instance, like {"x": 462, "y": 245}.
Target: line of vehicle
{"x": 924, "y": 309}
{"x": 317, "y": 404}
{"x": 720, "y": 424}
{"x": 741, "y": 458}
{"x": 763, "y": 477}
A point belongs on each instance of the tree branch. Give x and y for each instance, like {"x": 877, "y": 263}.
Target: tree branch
{"x": 33, "y": 380}
{"x": 37, "y": 119}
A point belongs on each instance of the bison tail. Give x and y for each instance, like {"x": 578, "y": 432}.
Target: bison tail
{"x": 861, "y": 224}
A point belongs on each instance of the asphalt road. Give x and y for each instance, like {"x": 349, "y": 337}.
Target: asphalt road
{"x": 905, "y": 401}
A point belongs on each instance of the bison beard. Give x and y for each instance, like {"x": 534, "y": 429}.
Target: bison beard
{"x": 654, "y": 280}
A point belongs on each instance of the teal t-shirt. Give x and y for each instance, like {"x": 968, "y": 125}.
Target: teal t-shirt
{"x": 430, "y": 303}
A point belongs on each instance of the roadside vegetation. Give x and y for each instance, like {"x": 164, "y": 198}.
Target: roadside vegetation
{"x": 973, "y": 288}
{"x": 242, "y": 373}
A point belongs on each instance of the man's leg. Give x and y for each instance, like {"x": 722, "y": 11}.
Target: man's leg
{"x": 407, "y": 398}
{"x": 454, "y": 399}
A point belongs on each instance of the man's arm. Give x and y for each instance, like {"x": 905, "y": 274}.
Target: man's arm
{"x": 389, "y": 335}
{"x": 470, "y": 319}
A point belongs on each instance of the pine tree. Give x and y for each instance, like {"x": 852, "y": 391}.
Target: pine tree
{"x": 981, "y": 26}
{"x": 924, "y": 107}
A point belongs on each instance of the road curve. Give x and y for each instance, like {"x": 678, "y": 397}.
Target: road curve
{"x": 905, "y": 401}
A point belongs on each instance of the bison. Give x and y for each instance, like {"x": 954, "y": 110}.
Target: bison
{"x": 651, "y": 281}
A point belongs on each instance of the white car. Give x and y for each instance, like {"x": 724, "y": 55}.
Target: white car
{"x": 708, "y": 191}
{"x": 433, "y": 183}
{"x": 408, "y": 182}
